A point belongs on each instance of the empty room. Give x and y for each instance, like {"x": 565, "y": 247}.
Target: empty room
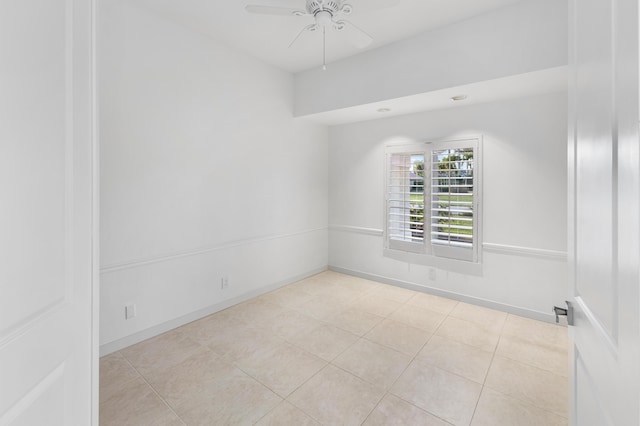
{"x": 320, "y": 212}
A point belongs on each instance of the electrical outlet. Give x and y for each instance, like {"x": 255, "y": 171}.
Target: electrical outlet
{"x": 130, "y": 311}
{"x": 224, "y": 282}
{"x": 432, "y": 274}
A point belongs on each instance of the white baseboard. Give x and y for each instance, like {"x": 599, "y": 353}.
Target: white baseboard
{"x": 156, "y": 330}
{"x": 527, "y": 313}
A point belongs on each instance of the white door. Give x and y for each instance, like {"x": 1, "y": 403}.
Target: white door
{"x": 47, "y": 187}
{"x": 604, "y": 219}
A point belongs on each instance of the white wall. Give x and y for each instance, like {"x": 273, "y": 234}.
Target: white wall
{"x": 204, "y": 173}
{"x": 529, "y": 36}
{"x": 524, "y": 212}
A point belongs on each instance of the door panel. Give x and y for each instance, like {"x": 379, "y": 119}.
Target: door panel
{"x": 33, "y": 214}
{"x": 594, "y": 157}
{"x": 604, "y": 213}
{"x": 48, "y": 357}
{"x": 591, "y": 410}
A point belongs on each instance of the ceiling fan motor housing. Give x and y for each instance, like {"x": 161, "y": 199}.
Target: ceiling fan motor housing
{"x": 316, "y": 6}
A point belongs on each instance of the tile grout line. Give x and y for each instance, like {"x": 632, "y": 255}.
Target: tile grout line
{"x": 155, "y": 392}
{"x": 518, "y": 362}
{"x": 330, "y": 363}
{"x": 407, "y": 366}
{"x": 294, "y": 391}
{"x": 486, "y": 375}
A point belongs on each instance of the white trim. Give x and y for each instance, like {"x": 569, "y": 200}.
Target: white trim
{"x": 490, "y": 247}
{"x": 156, "y": 330}
{"x": 525, "y": 251}
{"x": 515, "y": 310}
{"x": 95, "y": 225}
{"x": 202, "y": 250}
{"x": 357, "y": 230}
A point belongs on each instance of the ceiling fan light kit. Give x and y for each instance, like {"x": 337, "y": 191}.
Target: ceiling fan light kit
{"x": 326, "y": 14}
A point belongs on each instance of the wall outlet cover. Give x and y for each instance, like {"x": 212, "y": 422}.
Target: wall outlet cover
{"x": 130, "y": 311}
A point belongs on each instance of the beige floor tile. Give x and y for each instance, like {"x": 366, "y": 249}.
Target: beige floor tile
{"x": 306, "y": 283}
{"x": 458, "y": 358}
{"x": 314, "y": 285}
{"x": 329, "y": 289}
{"x": 255, "y": 311}
{"x": 136, "y": 404}
{"x": 468, "y": 333}
{"x": 235, "y": 343}
{"x": 359, "y": 284}
{"x": 535, "y": 386}
{"x": 281, "y": 343}
{"x": 321, "y": 307}
{"x": 343, "y": 294}
{"x": 350, "y": 283}
{"x": 399, "y": 336}
{"x": 547, "y": 358}
{"x": 485, "y": 317}
{"x": 205, "y": 390}
{"x": 495, "y": 408}
{"x": 282, "y": 369}
{"x": 330, "y": 276}
{"x": 289, "y": 324}
{"x": 332, "y": 285}
{"x": 289, "y": 296}
{"x": 393, "y": 411}
{"x": 398, "y": 294}
{"x": 419, "y": 318}
{"x": 374, "y": 363}
{"x": 286, "y": 414}
{"x": 443, "y": 394}
{"x": 537, "y": 332}
{"x": 205, "y": 329}
{"x": 355, "y": 321}
{"x": 376, "y": 305}
{"x": 241, "y": 402}
{"x": 325, "y": 341}
{"x": 433, "y": 303}
{"x": 335, "y": 397}
{"x": 161, "y": 352}
{"x": 184, "y": 380}
{"x": 115, "y": 372}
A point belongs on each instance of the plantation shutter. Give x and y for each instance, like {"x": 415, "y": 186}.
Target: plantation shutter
{"x": 406, "y": 201}
{"x": 453, "y": 199}
{"x": 432, "y": 195}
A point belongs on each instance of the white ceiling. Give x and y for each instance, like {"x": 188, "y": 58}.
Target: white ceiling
{"x": 268, "y": 37}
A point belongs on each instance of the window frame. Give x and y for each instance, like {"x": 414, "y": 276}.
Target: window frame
{"x": 428, "y": 252}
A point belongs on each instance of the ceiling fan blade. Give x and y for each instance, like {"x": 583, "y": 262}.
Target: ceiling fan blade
{"x": 311, "y": 27}
{"x": 354, "y": 35}
{"x": 273, "y": 10}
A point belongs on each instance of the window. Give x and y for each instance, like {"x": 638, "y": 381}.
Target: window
{"x": 432, "y": 199}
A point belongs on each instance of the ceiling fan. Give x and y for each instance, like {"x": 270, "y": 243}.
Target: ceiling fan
{"x": 327, "y": 14}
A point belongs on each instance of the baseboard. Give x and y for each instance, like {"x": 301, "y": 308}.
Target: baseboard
{"x": 515, "y": 310}
{"x": 156, "y": 330}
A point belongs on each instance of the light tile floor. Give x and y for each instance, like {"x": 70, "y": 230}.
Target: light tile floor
{"x": 339, "y": 350}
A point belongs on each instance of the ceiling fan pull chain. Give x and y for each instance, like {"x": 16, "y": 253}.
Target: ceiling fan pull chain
{"x": 324, "y": 48}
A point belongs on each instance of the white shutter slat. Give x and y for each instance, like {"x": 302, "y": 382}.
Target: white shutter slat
{"x": 405, "y": 200}
{"x": 452, "y": 199}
